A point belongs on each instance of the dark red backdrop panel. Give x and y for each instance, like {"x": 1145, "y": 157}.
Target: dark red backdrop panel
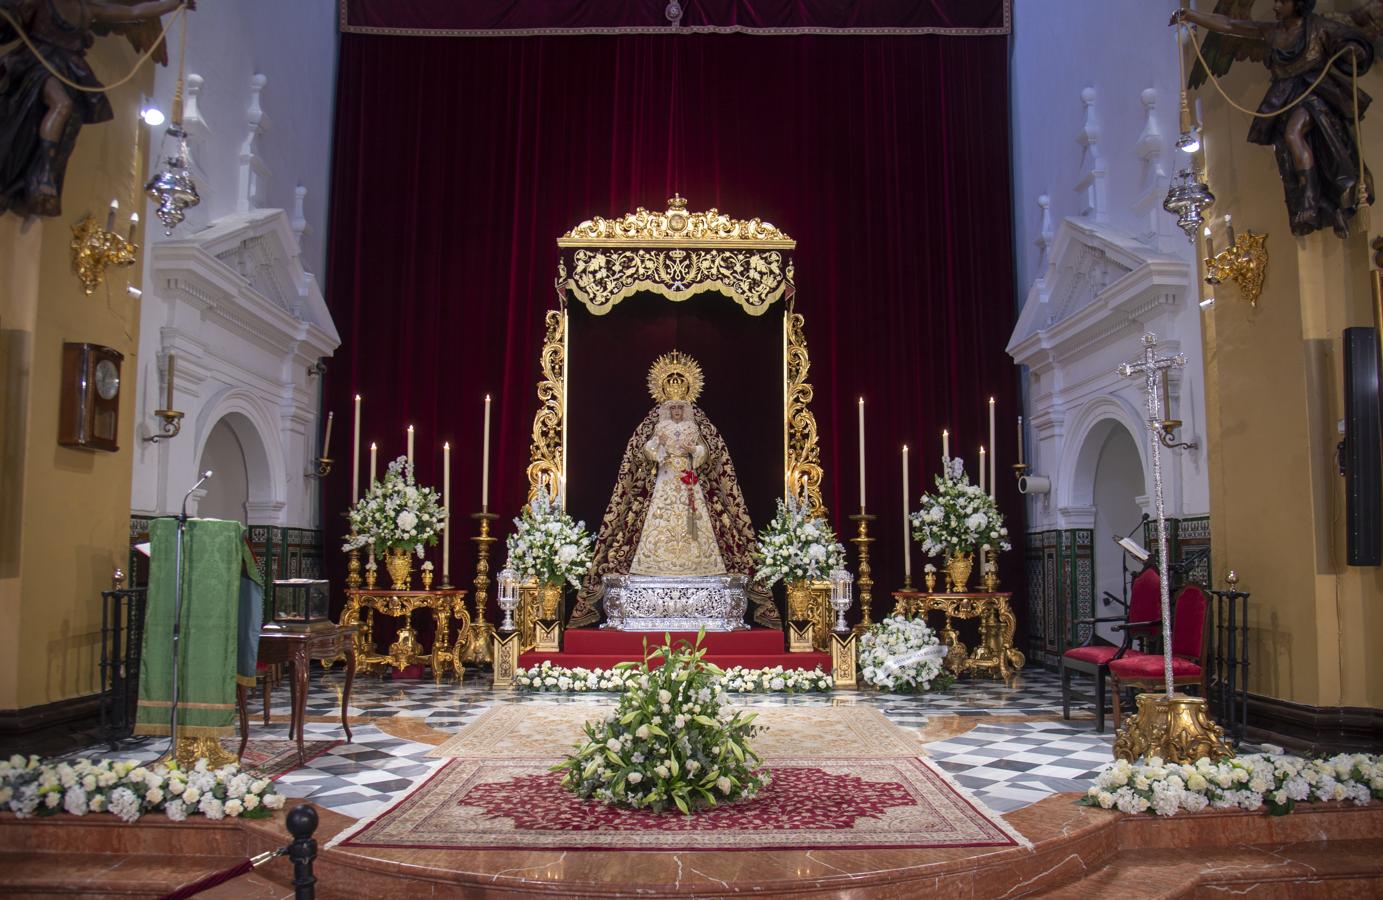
{"x": 458, "y": 162}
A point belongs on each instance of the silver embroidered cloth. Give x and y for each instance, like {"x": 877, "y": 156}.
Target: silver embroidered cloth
{"x": 653, "y": 603}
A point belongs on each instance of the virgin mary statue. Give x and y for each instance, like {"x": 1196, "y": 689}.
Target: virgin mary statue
{"x": 676, "y": 510}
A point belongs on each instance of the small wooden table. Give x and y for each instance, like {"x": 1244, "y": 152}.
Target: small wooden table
{"x": 995, "y": 651}
{"x": 298, "y": 649}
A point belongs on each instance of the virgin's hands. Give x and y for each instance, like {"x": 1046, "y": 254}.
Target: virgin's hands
{"x": 1178, "y": 17}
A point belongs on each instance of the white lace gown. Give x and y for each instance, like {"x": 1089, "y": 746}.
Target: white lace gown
{"x": 677, "y": 538}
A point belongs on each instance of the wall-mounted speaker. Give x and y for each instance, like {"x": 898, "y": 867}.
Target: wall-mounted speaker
{"x": 1363, "y": 449}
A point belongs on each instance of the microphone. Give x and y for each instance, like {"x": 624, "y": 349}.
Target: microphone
{"x": 200, "y": 481}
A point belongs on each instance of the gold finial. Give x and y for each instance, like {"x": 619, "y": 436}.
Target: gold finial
{"x": 677, "y": 201}
{"x": 675, "y": 376}
{"x": 1232, "y": 578}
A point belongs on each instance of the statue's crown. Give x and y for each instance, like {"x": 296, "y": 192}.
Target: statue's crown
{"x": 674, "y": 376}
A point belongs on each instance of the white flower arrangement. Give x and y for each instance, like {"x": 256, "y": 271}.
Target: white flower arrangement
{"x": 548, "y": 546}
{"x": 396, "y": 513}
{"x": 959, "y": 517}
{"x": 670, "y": 742}
{"x": 903, "y": 654}
{"x": 548, "y": 678}
{"x": 796, "y": 546}
{"x": 30, "y": 786}
{"x": 1271, "y": 779}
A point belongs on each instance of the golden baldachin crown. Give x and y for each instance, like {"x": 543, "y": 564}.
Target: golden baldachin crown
{"x": 675, "y": 376}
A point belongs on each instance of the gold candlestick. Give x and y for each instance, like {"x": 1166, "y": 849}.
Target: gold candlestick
{"x": 865, "y": 581}
{"x": 480, "y": 650}
{"x": 353, "y": 569}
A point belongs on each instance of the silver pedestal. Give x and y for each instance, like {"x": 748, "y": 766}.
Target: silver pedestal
{"x": 651, "y": 603}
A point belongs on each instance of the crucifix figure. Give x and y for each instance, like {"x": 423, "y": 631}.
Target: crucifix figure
{"x": 1151, "y": 368}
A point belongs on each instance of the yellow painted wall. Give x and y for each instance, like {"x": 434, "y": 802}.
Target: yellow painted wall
{"x": 1275, "y": 396}
{"x": 64, "y": 513}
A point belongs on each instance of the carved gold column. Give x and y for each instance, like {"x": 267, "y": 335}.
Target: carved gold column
{"x": 865, "y": 581}
{"x": 479, "y": 651}
{"x": 353, "y": 581}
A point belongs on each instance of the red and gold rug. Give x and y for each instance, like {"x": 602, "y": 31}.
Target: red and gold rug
{"x": 811, "y": 803}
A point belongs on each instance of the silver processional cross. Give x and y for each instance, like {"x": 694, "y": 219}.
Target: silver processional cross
{"x": 1153, "y": 367}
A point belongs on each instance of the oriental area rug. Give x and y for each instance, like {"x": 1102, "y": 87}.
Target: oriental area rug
{"x": 547, "y": 730}
{"x": 273, "y": 759}
{"x": 811, "y": 803}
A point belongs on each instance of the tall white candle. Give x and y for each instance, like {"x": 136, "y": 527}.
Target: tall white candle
{"x": 485, "y": 463}
{"x": 1020, "y": 439}
{"x": 374, "y": 462}
{"x": 861, "y": 454}
{"x": 410, "y": 443}
{"x": 326, "y": 441}
{"x": 993, "y": 451}
{"x": 446, "y": 505}
{"x": 945, "y": 446}
{"x": 982, "y": 472}
{"x": 907, "y": 543}
{"x": 355, "y": 454}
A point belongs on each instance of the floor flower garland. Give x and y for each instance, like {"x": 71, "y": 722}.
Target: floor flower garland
{"x": 30, "y": 786}
{"x": 1272, "y": 779}
{"x": 549, "y": 678}
{"x": 670, "y": 742}
{"x": 902, "y": 654}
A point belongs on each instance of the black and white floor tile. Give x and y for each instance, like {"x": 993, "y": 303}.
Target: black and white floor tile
{"x": 1007, "y": 765}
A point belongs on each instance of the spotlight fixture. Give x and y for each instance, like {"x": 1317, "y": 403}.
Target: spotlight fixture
{"x": 1207, "y": 303}
{"x": 152, "y": 115}
{"x": 1187, "y": 198}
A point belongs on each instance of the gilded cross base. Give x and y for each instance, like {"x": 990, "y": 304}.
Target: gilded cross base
{"x": 1177, "y": 729}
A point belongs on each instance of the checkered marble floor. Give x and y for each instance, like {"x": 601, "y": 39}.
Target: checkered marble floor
{"x": 1007, "y": 765}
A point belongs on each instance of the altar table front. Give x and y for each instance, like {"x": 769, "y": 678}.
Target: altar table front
{"x": 995, "y": 651}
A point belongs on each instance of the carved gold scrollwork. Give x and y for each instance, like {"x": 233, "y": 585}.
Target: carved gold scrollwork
{"x": 546, "y": 461}
{"x": 802, "y": 451}
{"x": 602, "y": 277}
{"x": 675, "y": 226}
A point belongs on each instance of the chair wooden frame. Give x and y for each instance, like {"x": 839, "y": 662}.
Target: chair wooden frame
{"x": 1100, "y": 670}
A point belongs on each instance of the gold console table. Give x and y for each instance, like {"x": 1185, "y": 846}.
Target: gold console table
{"x": 446, "y": 606}
{"x": 995, "y": 652}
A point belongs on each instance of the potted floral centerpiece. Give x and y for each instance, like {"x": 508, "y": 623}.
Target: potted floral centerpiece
{"x": 670, "y": 742}
{"x": 956, "y": 520}
{"x": 548, "y": 547}
{"x": 797, "y": 548}
{"x": 396, "y": 518}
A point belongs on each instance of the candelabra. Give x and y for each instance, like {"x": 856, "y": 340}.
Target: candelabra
{"x": 862, "y": 540}
{"x": 1244, "y": 262}
{"x": 482, "y": 632}
{"x": 94, "y": 249}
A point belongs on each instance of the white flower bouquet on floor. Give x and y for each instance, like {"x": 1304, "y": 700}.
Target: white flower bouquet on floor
{"x": 547, "y": 546}
{"x": 396, "y": 514}
{"x": 796, "y": 546}
{"x": 959, "y": 517}
{"x": 1271, "y": 779}
{"x": 30, "y": 786}
{"x": 670, "y": 742}
{"x": 548, "y": 678}
{"x": 903, "y": 654}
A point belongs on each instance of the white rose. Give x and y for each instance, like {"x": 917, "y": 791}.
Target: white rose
{"x": 274, "y": 801}
{"x": 407, "y": 521}
{"x": 635, "y": 778}
{"x": 191, "y": 796}
{"x": 234, "y": 807}
{"x": 723, "y": 784}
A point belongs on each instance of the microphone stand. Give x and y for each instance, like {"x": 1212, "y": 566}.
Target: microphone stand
{"x": 177, "y": 613}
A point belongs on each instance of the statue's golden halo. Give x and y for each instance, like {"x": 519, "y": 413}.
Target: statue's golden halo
{"x": 675, "y": 376}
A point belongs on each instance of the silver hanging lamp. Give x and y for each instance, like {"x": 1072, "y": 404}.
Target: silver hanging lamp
{"x": 172, "y": 187}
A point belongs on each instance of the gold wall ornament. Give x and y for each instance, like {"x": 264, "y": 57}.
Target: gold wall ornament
{"x": 94, "y": 249}
{"x": 675, "y": 376}
{"x": 547, "y": 455}
{"x": 1244, "y": 262}
{"x": 1177, "y": 728}
{"x": 801, "y": 448}
{"x": 677, "y": 254}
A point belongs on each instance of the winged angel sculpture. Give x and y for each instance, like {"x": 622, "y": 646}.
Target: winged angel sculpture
{"x": 41, "y": 110}
{"x": 1317, "y": 152}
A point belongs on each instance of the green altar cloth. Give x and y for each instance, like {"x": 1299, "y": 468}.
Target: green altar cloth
{"x": 215, "y": 558}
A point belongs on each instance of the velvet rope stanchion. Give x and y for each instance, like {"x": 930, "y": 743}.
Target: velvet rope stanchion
{"x": 302, "y": 822}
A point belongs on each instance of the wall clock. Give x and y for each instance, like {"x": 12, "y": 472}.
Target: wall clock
{"x": 90, "y": 408}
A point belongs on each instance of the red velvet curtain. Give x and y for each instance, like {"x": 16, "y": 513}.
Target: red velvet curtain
{"x": 458, "y": 162}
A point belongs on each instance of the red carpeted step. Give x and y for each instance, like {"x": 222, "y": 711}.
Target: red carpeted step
{"x": 629, "y": 644}
{"x": 806, "y": 661}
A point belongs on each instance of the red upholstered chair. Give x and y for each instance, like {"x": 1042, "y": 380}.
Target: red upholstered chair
{"x": 1141, "y": 620}
{"x": 1189, "y": 647}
